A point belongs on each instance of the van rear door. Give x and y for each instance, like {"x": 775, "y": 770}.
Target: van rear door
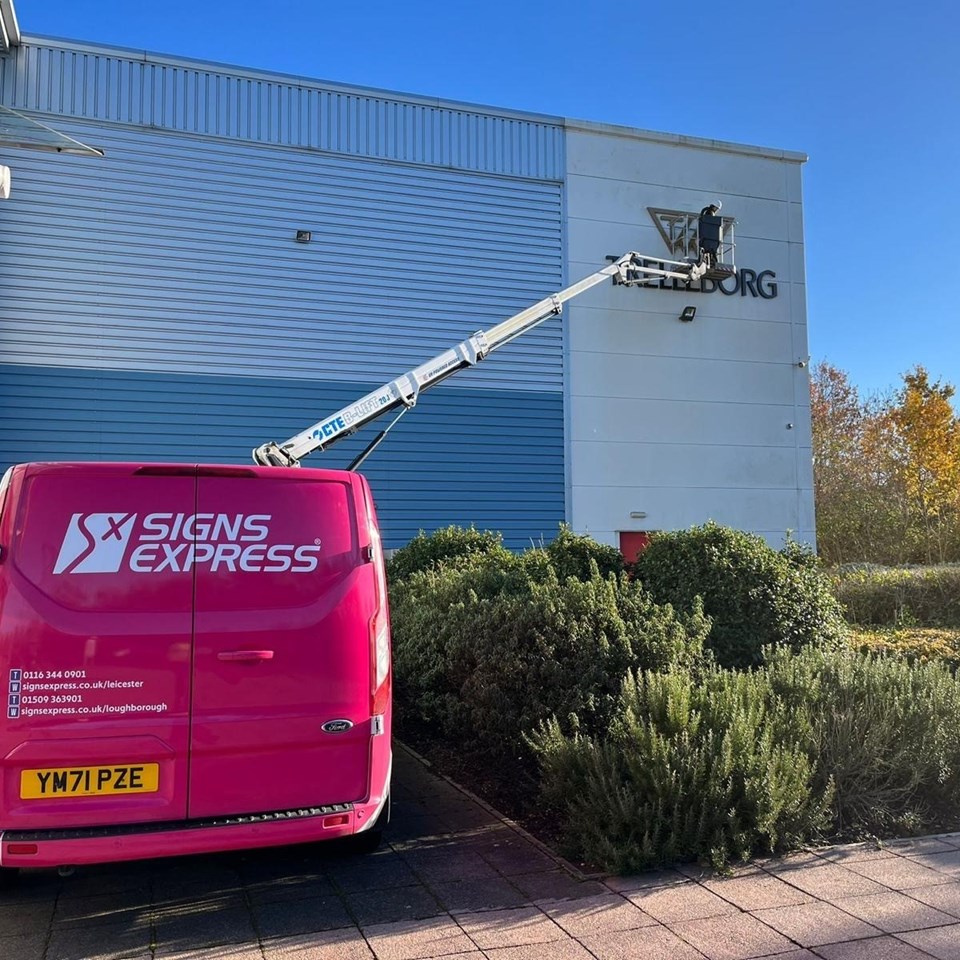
{"x": 284, "y": 600}
{"x": 95, "y": 646}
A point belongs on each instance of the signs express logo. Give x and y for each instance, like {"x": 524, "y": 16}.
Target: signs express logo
{"x": 177, "y": 543}
{"x": 95, "y": 543}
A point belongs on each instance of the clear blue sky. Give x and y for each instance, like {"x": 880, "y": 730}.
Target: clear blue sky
{"x": 870, "y": 90}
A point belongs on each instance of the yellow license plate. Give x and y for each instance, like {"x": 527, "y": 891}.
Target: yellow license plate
{"x": 89, "y": 781}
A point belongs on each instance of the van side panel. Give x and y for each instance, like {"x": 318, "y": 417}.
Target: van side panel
{"x": 282, "y": 646}
{"x": 95, "y": 647}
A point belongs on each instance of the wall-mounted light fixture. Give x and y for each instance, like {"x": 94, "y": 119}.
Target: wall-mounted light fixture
{"x": 688, "y": 314}
{"x": 304, "y": 236}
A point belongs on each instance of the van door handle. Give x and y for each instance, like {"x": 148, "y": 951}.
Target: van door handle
{"x": 248, "y": 655}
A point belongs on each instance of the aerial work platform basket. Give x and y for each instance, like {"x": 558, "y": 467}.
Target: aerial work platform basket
{"x": 704, "y": 238}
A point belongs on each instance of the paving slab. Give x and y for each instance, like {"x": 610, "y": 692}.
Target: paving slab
{"x": 102, "y": 943}
{"x": 940, "y": 942}
{"x": 828, "y": 881}
{"x": 915, "y": 846}
{"x": 559, "y": 950}
{"x": 899, "y": 873}
{"x": 455, "y": 879}
{"x": 31, "y": 917}
{"x": 756, "y": 891}
{"x": 511, "y": 928}
{"x": 851, "y": 852}
{"x": 234, "y": 952}
{"x": 648, "y": 943}
{"x": 794, "y": 955}
{"x": 593, "y": 916}
{"x": 882, "y": 948}
{"x": 469, "y": 896}
{"x": 687, "y": 902}
{"x": 416, "y": 939}
{"x": 285, "y": 918}
{"x": 894, "y": 912}
{"x": 736, "y": 937}
{"x": 646, "y": 881}
{"x": 943, "y": 896}
{"x": 814, "y": 924}
{"x": 947, "y": 862}
{"x": 389, "y": 906}
{"x": 28, "y": 947}
{"x": 555, "y": 885}
{"x": 347, "y": 944}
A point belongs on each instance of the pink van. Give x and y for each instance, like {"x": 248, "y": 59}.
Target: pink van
{"x": 196, "y": 658}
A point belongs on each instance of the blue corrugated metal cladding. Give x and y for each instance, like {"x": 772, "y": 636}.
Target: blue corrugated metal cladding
{"x": 156, "y": 305}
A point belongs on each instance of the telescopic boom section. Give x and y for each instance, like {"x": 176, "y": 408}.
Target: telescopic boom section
{"x": 403, "y": 393}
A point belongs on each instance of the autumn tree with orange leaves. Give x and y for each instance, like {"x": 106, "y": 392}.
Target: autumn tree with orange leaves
{"x": 886, "y": 470}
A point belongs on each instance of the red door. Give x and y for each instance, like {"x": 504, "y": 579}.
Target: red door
{"x": 96, "y": 646}
{"x": 633, "y": 543}
{"x": 282, "y": 647}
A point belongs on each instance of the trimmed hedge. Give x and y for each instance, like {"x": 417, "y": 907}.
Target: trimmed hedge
{"x": 899, "y": 596}
{"x": 755, "y": 595}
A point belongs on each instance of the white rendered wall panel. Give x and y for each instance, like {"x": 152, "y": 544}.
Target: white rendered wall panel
{"x": 687, "y": 422}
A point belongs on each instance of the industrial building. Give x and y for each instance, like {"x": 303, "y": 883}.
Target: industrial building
{"x": 244, "y": 252}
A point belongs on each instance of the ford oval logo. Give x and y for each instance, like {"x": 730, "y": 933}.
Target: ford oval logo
{"x": 337, "y": 726}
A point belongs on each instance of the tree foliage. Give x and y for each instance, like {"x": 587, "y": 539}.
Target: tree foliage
{"x": 886, "y": 470}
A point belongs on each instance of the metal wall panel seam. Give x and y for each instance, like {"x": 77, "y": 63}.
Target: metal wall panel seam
{"x": 86, "y": 246}
{"x": 450, "y": 462}
{"x": 94, "y": 82}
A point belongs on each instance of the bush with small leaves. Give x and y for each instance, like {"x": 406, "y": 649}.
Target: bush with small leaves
{"x": 899, "y": 596}
{"x": 571, "y": 555}
{"x": 704, "y": 767}
{"x": 754, "y": 595}
{"x": 427, "y": 551}
{"x": 486, "y": 650}
{"x": 883, "y": 731}
{"x": 720, "y": 764}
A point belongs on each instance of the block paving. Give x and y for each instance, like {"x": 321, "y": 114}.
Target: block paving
{"x": 456, "y": 880}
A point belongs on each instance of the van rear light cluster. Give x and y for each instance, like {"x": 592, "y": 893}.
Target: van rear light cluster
{"x": 379, "y": 625}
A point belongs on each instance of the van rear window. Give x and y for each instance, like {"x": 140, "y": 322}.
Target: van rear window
{"x": 271, "y": 543}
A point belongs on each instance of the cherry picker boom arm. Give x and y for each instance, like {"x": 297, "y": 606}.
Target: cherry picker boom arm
{"x": 631, "y": 268}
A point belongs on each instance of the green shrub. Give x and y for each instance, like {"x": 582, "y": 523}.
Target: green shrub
{"x": 707, "y": 768}
{"x": 720, "y": 764}
{"x": 426, "y": 551}
{"x": 488, "y": 649}
{"x": 883, "y": 731}
{"x": 571, "y": 555}
{"x": 754, "y": 595}
{"x": 899, "y": 596}
{"x": 912, "y": 643}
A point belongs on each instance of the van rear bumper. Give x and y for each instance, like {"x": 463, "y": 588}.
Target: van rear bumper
{"x": 55, "y": 848}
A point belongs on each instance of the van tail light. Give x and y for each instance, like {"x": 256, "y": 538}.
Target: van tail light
{"x": 379, "y": 625}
